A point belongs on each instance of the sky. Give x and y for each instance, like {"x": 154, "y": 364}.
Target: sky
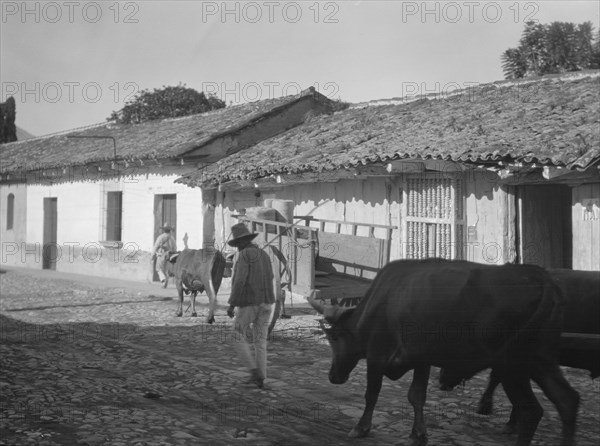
{"x": 69, "y": 64}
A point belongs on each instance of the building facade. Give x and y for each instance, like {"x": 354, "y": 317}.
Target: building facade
{"x": 92, "y": 201}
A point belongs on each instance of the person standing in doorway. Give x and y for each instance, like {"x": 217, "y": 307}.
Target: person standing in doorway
{"x": 252, "y": 292}
{"x": 164, "y": 244}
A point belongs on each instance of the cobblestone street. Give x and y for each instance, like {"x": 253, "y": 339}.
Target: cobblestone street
{"x": 101, "y": 362}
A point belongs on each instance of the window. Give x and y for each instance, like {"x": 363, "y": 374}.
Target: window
{"x": 434, "y": 218}
{"x": 10, "y": 211}
{"x": 114, "y": 212}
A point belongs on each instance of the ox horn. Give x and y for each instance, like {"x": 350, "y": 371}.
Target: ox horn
{"x": 331, "y": 312}
{"x": 316, "y": 304}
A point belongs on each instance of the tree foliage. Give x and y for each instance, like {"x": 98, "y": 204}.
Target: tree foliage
{"x": 555, "y": 48}
{"x": 8, "y": 129}
{"x": 166, "y": 102}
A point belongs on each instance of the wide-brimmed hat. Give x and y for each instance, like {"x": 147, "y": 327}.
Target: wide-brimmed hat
{"x": 240, "y": 232}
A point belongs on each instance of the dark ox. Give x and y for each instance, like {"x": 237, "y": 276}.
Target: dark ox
{"x": 461, "y": 316}
{"x": 195, "y": 271}
{"x": 580, "y": 347}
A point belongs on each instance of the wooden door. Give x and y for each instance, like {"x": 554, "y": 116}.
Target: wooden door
{"x": 545, "y": 235}
{"x": 165, "y": 211}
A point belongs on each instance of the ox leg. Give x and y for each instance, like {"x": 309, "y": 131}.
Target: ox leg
{"x": 193, "y": 299}
{"x": 486, "y": 403}
{"x": 212, "y": 302}
{"x": 416, "y": 396}
{"x": 562, "y": 395}
{"x": 374, "y": 381}
{"x": 525, "y": 405}
{"x": 511, "y": 425}
{"x": 179, "y": 287}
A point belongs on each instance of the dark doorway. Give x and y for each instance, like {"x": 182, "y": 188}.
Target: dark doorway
{"x": 165, "y": 211}
{"x": 544, "y": 225}
{"x": 114, "y": 215}
{"x": 50, "y": 248}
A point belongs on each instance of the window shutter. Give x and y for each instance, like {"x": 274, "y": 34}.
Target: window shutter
{"x": 434, "y": 218}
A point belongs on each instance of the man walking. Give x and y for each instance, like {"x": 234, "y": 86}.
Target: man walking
{"x": 165, "y": 242}
{"x": 253, "y": 293}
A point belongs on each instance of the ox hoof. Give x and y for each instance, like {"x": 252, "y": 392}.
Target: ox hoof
{"x": 179, "y": 314}
{"x": 194, "y": 314}
{"x": 418, "y": 440}
{"x": 358, "y": 432}
{"x": 210, "y": 319}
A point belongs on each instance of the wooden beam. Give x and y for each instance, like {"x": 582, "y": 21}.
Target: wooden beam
{"x": 550, "y": 172}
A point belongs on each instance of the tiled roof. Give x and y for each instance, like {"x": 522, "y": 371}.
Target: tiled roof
{"x": 554, "y": 121}
{"x": 161, "y": 139}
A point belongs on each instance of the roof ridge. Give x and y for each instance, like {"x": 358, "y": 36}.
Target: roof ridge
{"x": 62, "y": 132}
{"x": 437, "y": 95}
{"x": 306, "y": 92}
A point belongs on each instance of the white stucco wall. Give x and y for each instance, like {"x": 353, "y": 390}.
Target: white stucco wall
{"x": 81, "y": 210}
{"x": 12, "y": 239}
{"x": 78, "y": 212}
{"x": 138, "y": 210}
{"x": 81, "y": 220}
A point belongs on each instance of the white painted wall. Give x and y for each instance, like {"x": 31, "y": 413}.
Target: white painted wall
{"x": 138, "y": 210}
{"x": 17, "y": 233}
{"x": 81, "y": 220}
{"x": 81, "y": 210}
{"x": 12, "y": 239}
{"x": 78, "y": 210}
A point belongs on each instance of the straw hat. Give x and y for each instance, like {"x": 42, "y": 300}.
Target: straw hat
{"x": 240, "y": 232}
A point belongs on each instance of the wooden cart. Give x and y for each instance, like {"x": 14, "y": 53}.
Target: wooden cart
{"x": 327, "y": 259}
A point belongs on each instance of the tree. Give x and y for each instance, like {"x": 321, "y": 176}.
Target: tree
{"x": 8, "y": 129}
{"x": 595, "y": 63}
{"x": 553, "y": 48}
{"x": 167, "y": 102}
{"x": 514, "y": 63}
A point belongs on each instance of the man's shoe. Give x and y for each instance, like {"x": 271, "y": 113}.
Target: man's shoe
{"x": 260, "y": 383}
